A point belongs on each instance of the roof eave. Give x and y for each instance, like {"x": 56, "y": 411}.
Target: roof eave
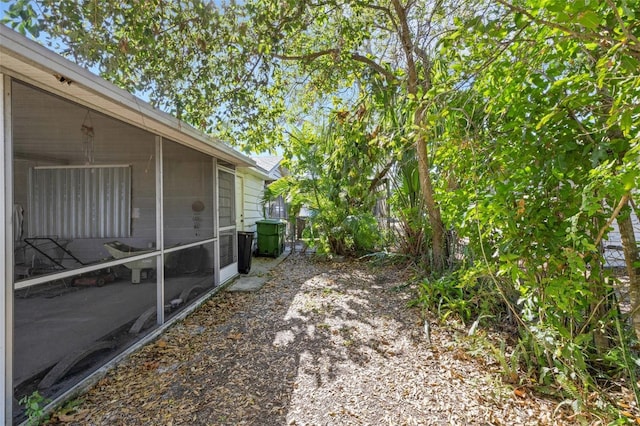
{"x": 27, "y": 60}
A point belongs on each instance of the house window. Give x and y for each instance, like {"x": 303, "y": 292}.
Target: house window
{"x": 80, "y": 202}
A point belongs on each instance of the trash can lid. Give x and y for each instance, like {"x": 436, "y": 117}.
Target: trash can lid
{"x": 270, "y": 221}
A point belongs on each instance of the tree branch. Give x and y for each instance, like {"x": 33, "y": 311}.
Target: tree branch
{"x": 614, "y": 215}
{"x": 380, "y": 175}
{"x": 623, "y": 27}
{"x": 491, "y": 59}
{"x": 386, "y": 11}
{"x": 407, "y": 47}
{"x": 310, "y": 57}
{"x": 586, "y": 36}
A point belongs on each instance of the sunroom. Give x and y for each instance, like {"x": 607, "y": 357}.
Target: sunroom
{"x": 117, "y": 219}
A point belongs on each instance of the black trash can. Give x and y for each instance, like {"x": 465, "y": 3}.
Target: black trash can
{"x": 245, "y": 242}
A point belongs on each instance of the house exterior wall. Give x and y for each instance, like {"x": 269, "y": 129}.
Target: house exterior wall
{"x": 250, "y": 190}
{"x": 253, "y": 194}
{"x": 272, "y": 166}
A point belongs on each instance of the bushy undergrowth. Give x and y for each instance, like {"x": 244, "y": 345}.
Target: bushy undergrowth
{"x": 570, "y": 355}
{"x": 462, "y": 295}
{"x": 354, "y": 235}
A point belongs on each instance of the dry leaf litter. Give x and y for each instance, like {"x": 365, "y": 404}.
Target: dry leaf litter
{"x": 321, "y": 343}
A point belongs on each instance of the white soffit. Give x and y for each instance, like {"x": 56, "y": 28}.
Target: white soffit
{"x": 255, "y": 171}
{"x": 32, "y": 63}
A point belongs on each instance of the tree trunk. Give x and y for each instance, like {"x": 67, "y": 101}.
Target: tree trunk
{"x": 433, "y": 210}
{"x": 413, "y": 83}
{"x": 630, "y": 248}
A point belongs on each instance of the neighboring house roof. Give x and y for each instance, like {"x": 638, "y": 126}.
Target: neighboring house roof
{"x": 268, "y": 163}
{"x": 32, "y": 63}
{"x": 271, "y": 164}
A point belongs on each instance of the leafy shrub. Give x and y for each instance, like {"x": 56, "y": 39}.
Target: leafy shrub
{"x": 357, "y": 234}
{"x": 34, "y": 407}
{"x": 463, "y": 294}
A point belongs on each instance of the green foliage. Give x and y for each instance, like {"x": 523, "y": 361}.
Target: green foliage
{"x": 34, "y": 407}
{"x": 21, "y": 16}
{"x": 541, "y": 149}
{"x": 211, "y": 71}
{"x": 445, "y": 297}
{"x": 250, "y": 72}
{"x": 467, "y": 295}
{"x": 357, "y": 234}
{"x": 406, "y": 205}
{"x": 511, "y": 363}
{"x": 338, "y": 172}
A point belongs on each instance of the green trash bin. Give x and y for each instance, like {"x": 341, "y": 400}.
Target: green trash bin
{"x": 271, "y": 237}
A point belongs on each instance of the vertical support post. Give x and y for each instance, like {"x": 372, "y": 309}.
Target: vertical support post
{"x": 216, "y": 224}
{"x": 6, "y": 252}
{"x": 159, "y": 233}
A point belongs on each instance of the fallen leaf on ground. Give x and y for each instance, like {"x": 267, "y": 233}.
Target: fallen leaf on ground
{"x": 232, "y": 373}
{"x": 520, "y": 392}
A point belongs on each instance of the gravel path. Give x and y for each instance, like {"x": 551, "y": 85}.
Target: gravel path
{"x": 320, "y": 344}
